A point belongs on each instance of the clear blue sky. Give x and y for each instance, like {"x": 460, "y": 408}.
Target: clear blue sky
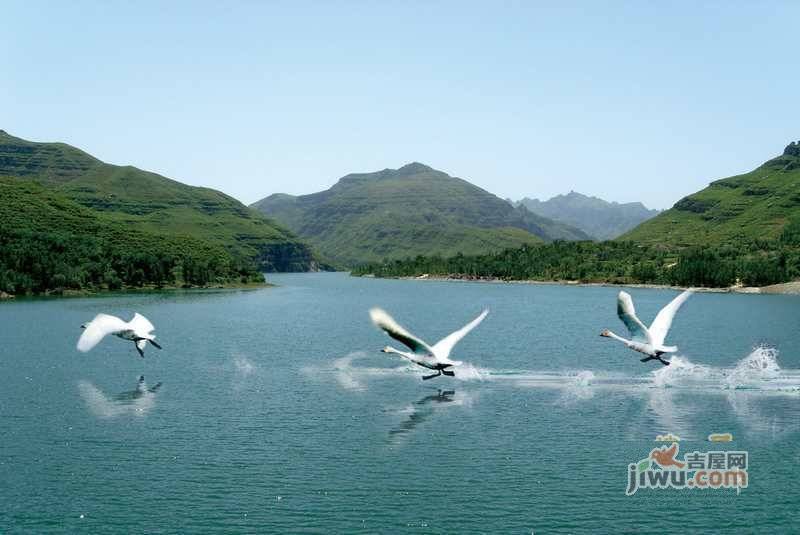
{"x": 628, "y": 101}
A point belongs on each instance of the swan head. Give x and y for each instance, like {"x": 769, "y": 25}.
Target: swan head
{"x": 606, "y": 333}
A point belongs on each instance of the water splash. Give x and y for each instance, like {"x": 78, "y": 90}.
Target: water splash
{"x": 351, "y": 375}
{"x": 577, "y": 388}
{"x": 243, "y": 365}
{"x": 584, "y": 378}
{"x": 756, "y": 369}
{"x": 681, "y": 371}
{"x": 469, "y": 372}
{"x": 759, "y": 370}
{"x": 244, "y": 374}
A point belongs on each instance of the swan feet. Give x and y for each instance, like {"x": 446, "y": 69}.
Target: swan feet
{"x": 662, "y": 361}
{"x": 449, "y": 373}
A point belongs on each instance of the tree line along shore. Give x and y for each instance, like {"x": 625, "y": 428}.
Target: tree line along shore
{"x": 758, "y": 264}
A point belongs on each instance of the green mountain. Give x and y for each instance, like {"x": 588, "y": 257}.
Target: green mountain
{"x": 49, "y": 242}
{"x": 414, "y": 210}
{"x": 755, "y": 206}
{"x": 739, "y": 230}
{"x": 599, "y": 219}
{"x": 154, "y": 204}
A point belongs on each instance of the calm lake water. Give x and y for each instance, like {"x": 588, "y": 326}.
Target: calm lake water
{"x": 277, "y": 412}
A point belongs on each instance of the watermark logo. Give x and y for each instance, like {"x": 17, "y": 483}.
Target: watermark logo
{"x": 720, "y": 437}
{"x": 665, "y": 469}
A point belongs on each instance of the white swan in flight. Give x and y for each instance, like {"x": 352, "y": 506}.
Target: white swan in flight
{"x": 648, "y": 341}
{"x": 436, "y": 357}
{"x": 139, "y": 330}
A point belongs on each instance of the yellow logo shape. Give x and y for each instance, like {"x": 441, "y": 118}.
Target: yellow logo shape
{"x": 720, "y": 437}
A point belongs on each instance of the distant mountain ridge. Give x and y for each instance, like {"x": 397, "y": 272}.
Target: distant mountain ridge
{"x": 600, "y": 219}
{"x": 410, "y": 211}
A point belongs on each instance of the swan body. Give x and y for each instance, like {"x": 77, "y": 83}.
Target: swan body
{"x": 649, "y": 341}
{"x": 139, "y": 331}
{"x": 435, "y": 357}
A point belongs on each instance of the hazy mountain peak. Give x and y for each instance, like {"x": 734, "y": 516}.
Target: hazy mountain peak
{"x": 597, "y": 217}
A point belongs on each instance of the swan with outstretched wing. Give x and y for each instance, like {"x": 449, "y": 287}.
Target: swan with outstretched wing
{"x": 649, "y": 341}
{"x": 435, "y": 357}
{"x": 139, "y": 331}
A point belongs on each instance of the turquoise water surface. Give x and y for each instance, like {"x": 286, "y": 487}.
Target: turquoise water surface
{"x": 277, "y": 412}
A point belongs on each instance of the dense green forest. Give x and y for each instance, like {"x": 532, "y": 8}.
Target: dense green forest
{"x": 758, "y": 264}
{"x": 150, "y": 203}
{"x": 69, "y": 221}
{"x": 51, "y": 243}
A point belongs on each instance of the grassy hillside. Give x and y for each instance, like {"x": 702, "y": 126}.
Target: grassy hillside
{"x": 49, "y": 242}
{"x": 740, "y": 230}
{"x": 602, "y": 220}
{"x": 414, "y": 210}
{"x": 741, "y": 209}
{"x": 151, "y": 203}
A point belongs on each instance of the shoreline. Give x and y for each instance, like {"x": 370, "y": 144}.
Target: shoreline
{"x": 787, "y": 288}
{"x": 70, "y": 294}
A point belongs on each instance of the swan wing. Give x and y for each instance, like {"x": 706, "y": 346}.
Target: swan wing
{"x": 97, "y": 329}
{"x": 383, "y": 320}
{"x": 141, "y": 325}
{"x": 627, "y": 314}
{"x": 663, "y": 321}
{"x": 443, "y": 347}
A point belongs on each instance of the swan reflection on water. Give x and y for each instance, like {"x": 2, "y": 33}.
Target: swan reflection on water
{"x": 137, "y": 402}
{"x": 422, "y": 410}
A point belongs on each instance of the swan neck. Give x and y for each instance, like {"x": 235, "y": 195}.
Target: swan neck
{"x": 617, "y": 337}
